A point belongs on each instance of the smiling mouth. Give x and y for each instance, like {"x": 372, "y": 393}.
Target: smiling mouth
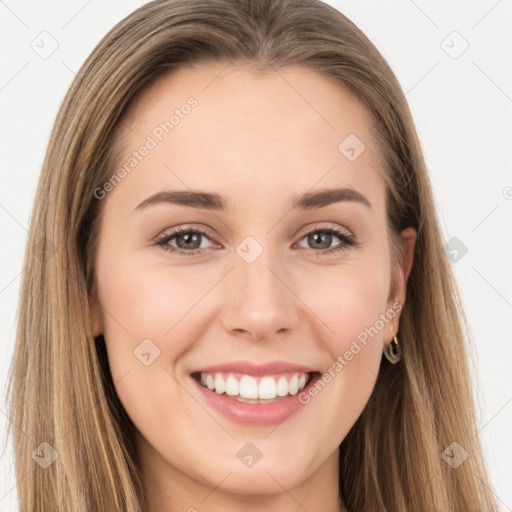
{"x": 256, "y": 390}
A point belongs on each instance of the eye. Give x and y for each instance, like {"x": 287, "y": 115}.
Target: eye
{"x": 188, "y": 241}
{"x": 322, "y": 237}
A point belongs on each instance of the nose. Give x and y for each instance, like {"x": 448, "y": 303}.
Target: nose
{"x": 260, "y": 301}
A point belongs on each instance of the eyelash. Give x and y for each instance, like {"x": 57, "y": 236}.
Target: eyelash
{"x": 348, "y": 240}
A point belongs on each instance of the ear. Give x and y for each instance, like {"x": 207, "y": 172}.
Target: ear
{"x": 401, "y": 275}
{"x": 96, "y": 313}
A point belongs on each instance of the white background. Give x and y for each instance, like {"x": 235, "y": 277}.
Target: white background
{"x": 463, "y": 112}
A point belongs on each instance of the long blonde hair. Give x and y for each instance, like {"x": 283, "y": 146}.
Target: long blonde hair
{"x": 60, "y": 385}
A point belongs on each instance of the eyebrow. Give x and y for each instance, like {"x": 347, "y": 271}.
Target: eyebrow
{"x": 213, "y": 201}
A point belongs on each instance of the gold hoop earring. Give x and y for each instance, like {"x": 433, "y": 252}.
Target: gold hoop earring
{"x": 393, "y": 352}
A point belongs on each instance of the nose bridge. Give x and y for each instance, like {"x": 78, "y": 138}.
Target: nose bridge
{"x": 256, "y": 275}
{"x": 259, "y": 300}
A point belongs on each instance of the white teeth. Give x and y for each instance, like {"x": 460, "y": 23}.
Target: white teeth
{"x": 282, "y": 386}
{"x": 267, "y": 388}
{"x": 220, "y": 386}
{"x": 232, "y": 386}
{"x": 248, "y": 387}
{"x": 293, "y": 385}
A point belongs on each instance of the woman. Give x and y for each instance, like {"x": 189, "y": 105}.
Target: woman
{"x": 262, "y": 367}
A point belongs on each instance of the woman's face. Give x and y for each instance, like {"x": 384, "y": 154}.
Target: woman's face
{"x": 254, "y": 282}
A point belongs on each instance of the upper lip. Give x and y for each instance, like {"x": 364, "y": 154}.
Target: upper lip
{"x": 248, "y": 368}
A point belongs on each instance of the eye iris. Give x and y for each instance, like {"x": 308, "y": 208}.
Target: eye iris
{"x": 189, "y": 237}
{"x": 317, "y": 239}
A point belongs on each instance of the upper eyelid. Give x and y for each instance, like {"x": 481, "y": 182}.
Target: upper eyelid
{"x": 204, "y": 231}
{"x": 312, "y": 229}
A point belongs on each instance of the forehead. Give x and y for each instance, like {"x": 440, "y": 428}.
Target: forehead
{"x": 280, "y": 132}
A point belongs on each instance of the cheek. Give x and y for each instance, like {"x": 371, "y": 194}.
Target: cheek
{"x": 345, "y": 304}
{"x": 147, "y": 302}
{"x": 351, "y": 303}
{"x": 148, "y": 326}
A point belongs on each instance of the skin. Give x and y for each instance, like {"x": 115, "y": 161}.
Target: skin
{"x": 256, "y": 140}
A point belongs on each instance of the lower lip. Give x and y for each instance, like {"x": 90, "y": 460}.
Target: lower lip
{"x": 254, "y": 414}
